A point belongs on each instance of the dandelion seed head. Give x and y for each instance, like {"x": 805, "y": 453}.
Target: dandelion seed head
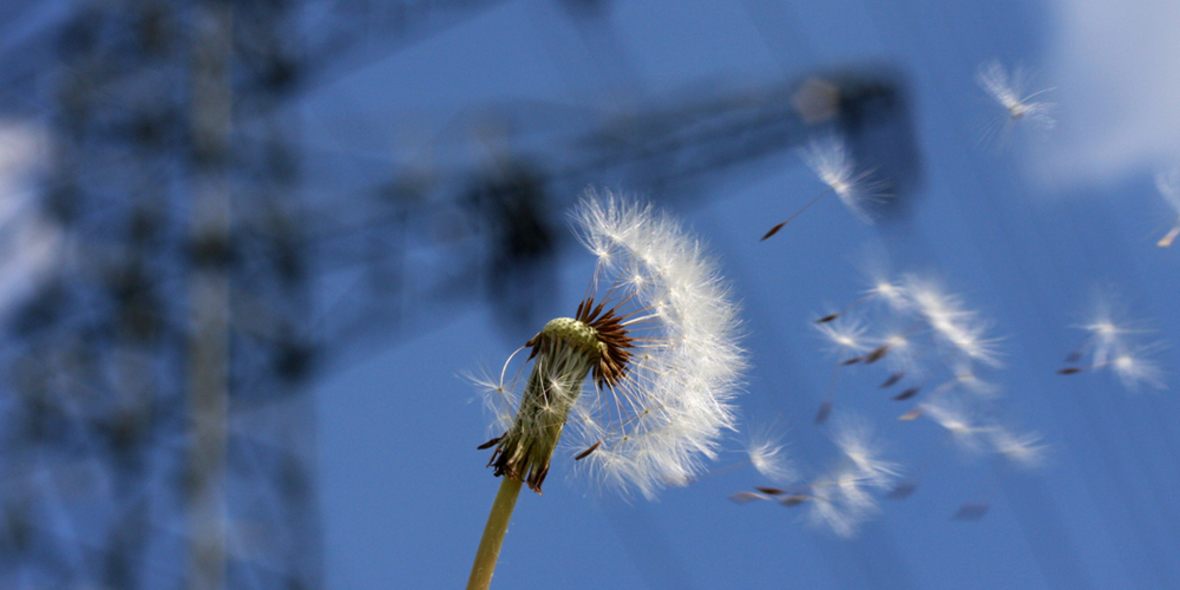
{"x": 657, "y": 337}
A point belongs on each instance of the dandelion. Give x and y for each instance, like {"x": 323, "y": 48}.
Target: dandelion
{"x": 1168, "y": 183}
{"x": 1010, "y": 91}
{"x": 656, "y": 336}
{"x": 829, "y": 159}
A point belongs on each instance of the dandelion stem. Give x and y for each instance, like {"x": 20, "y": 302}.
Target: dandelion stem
{"x": 493, "y": 534}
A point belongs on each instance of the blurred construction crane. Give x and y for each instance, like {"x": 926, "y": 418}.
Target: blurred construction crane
{"x": 185, "y": 289}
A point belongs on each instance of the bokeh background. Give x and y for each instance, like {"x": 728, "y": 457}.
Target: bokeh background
{"x": 249, "y": 250}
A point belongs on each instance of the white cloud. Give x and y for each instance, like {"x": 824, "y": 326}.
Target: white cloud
{"x": 1114, "y": 65}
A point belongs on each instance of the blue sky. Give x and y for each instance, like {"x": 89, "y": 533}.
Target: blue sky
{"x": 1025, "y": 232}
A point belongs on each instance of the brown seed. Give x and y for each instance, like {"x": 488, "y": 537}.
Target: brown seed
{"x": 794, "y": 500}
{"x": 743, "y": 497}
{"x": 773, "y": 230}
{"x": 851, "y": 361}
{"x": 902, "y": 490}
{"x": 892, "y": 380}
{"x": 1071, "y": 370}
{"x": 824, "y": 410}
{"x": 587, "y": 452}
{"x": 771, "y": 491}
{"x": 910, "y": 415}
{"x": 876, "y": 354}
{"x": 490, "y": 443}
{"x": 971, "y": 511}
{"x": 907, "y": 394}
{"x": 827, "y": 318}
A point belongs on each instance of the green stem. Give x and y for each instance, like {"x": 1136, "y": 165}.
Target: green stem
{"x": 493, "y": 535}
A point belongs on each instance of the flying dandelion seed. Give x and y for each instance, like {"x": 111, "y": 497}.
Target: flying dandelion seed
{"x": 954, "y": 325}
{"x": 841, "y": 502}
{"x": 967, "y": 379}
{"x": 845, "y": 335}
{"x": 1107, "y": 332}
{"x": 893, "y": 294}
{"x": 846, "y": 340}
{"x": 828, "y": 159}
{"x": 768, "y": 455}
{"x": 929, "y": 338}
{"x": 842, "y": 498}
{"x": 656, "y": 334}
{"x": 1010, "y": 90}
{"x": 952, "y": 415}
{"x": 1111, "y": 344}
{"x": 874, "y": 266}
{"x": 1168, "y": 183}
{"x": 1025, "y": 450}
{"x": 744, "y": 497}
{"x": 1134, "y": 368}
{"x": 854, "y": 437}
